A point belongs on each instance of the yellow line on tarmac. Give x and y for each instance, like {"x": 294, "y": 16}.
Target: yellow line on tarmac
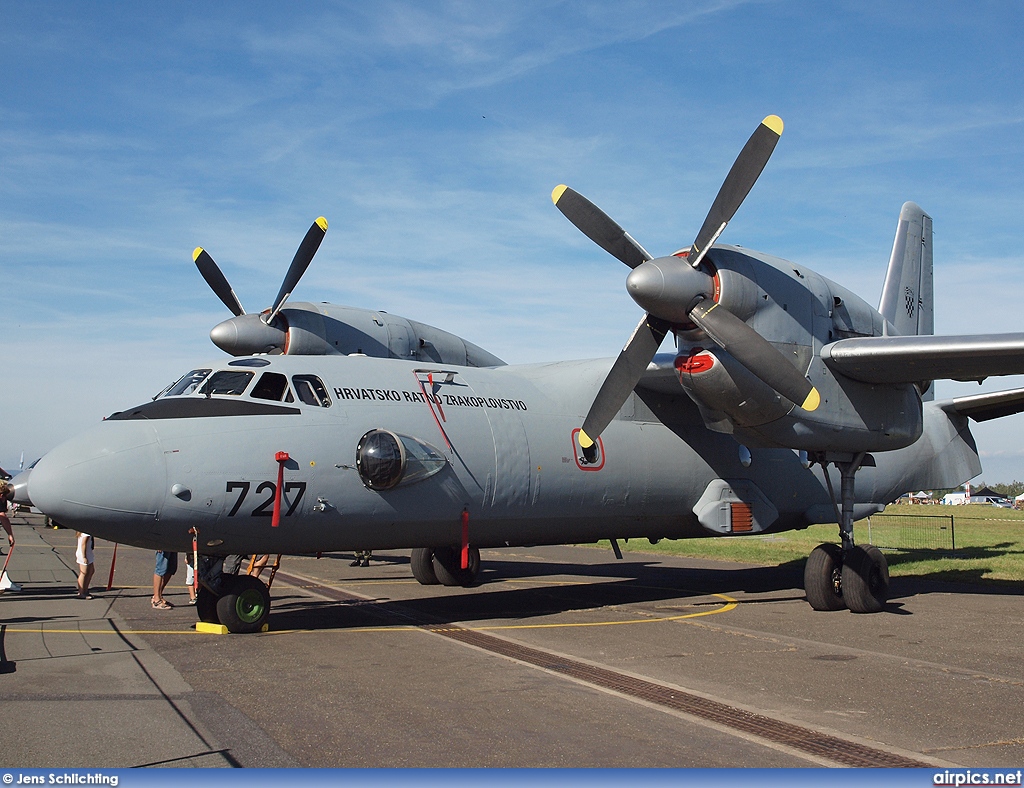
{"x": 729, "y": 604}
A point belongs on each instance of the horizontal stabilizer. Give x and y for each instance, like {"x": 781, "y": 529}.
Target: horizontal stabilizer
{"x": 916, "y": 359}
{"x": 982, "y": 407}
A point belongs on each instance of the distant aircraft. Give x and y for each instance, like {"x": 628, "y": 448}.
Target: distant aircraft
{"x": 784, "y": 391}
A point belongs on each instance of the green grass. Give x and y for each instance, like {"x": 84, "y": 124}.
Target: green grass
{"x": 989, "y": 546}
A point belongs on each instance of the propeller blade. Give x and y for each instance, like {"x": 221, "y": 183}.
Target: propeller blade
{"x": 738, "y": 183}
{"x": 300, "y": 263}
{"x": 598, "y": 226}
{"x": 217, "y": 281}
{"x": 755, "y": 353}
{"x": 622, "y": 378}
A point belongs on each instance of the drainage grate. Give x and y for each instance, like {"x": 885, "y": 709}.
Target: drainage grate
{"x": 822, "y": 745}
{"x": 805, "y": 740}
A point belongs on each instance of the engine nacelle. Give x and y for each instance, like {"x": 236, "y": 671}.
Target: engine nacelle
{"x": 303, "y": 329}
{"x": 727, "y": 394}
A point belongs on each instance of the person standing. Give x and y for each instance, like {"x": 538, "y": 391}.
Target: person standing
{"x": 190, "y": 577}
{"x": 166, "y": 566}
{"x": 6, "y": 492}
{"x": 86, "y": 567}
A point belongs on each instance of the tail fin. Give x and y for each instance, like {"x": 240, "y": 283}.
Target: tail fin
{"x": 907, "y": 295}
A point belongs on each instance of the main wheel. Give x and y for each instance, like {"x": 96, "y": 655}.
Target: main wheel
{"x": 422, "y": 561}
{"x": 865, "y": 579}
{"x": 245, "y": 606}
{"x": 448, "y": 566}
{"x": 206, "y": 605}
{"x": 823, "y": 578}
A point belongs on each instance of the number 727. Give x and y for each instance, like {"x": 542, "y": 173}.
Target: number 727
{"x": 266, "y": 507}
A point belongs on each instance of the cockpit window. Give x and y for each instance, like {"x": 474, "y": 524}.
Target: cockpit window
{"x": 272, "y": 386}
{"x": 311, "y": 390}
{"x": 188, "y": 384}
{"x": 232, "y": 383}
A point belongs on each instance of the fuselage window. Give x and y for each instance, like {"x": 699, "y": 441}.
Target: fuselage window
{"x": 272, "y": 386}
{"x": 232, "y": 383}
{"x": 311, "y": 390}
{"x": 188, "y": 384}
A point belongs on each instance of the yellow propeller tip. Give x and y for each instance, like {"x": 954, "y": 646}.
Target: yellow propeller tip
{"x": 813, "y": 400}
{"x": 557, "y": 192}
{"x": 322, "y": 222}
{"x": 774, "y": 122}
{"x": 585, "y": 440}
{"x": 195, "y": 255}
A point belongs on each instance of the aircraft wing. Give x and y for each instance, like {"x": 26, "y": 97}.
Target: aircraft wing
{"x": 982, "y": 407}
{"x": 914, "y": 359}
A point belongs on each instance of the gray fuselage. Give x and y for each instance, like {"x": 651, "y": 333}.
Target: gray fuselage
{"x": 147, "y": 475}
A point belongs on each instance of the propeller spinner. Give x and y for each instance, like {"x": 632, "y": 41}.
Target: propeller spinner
{"x": 245, "y": 334}
{"x": 674, "y": 290}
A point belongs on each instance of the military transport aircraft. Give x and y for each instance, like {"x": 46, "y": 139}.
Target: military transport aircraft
{"x": 789, "y": 401}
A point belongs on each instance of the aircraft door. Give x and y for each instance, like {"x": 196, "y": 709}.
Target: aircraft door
{"x": 513, "y": 476}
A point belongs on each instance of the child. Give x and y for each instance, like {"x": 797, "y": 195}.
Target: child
{"x": 86, "y": 568}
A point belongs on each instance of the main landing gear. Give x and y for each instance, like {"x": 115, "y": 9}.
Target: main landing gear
{"x": 849, "y": 576}
{"x": 434, "y": 565}
{"x": 239, "y": 602}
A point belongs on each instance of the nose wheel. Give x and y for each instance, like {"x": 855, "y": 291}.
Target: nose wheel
{"x": 242, "y": 602}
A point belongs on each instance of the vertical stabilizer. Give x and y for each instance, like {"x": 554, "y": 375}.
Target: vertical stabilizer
{"x": 907, "y": 295}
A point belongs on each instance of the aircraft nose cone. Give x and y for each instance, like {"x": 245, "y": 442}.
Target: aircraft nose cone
{"x": 668, "y": 287}
{"x": 248, "y": 334}
{"x": 108, "y": 479}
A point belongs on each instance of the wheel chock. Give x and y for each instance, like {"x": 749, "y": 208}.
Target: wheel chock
{"x": 219, "y": 629}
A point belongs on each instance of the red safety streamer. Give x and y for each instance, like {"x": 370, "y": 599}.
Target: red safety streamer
{"x": 113, "y": 563}
{"x": 281, "y": 457}
{"x": 465, "y": 539}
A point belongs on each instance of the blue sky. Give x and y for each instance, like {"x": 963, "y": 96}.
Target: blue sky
{"x": 431, "y": 134}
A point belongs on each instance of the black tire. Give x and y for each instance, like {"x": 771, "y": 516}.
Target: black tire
{"x": 448, "y": 566}
{"x": 865, "y": 579}
{"x": 823, "y": 578}
{"x": 422, "y": 561}
{"x": 245, "y": 607}
{"x": 206, "y": 606}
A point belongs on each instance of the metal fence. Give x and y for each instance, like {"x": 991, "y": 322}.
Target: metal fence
{"x": 912, "y": 532}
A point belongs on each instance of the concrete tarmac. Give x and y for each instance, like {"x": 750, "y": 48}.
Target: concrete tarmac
{"x": 364, "y": 667}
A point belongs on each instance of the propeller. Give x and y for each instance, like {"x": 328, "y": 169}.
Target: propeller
{"x": 244, "y": 333}
{"x": 673, "y": 290}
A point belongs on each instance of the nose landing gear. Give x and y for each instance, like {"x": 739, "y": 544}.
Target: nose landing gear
{"x": 239, "y": 602}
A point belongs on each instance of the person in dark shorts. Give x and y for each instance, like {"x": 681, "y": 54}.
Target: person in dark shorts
{"x": 166, "y": 566}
